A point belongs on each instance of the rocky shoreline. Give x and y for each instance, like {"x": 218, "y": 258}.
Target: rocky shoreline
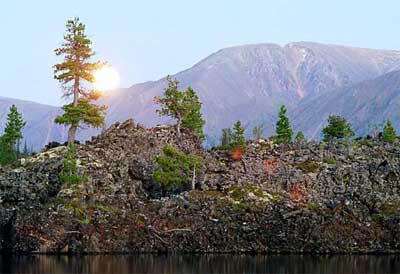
{"x": 299, "y": 198}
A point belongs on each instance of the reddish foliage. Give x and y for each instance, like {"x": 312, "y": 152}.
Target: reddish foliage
{"x": 298, "y": 193}
{"x": 270, "y": 166}
{"x": 161, "y": 225}
{"x": 237, "y": 154}
{"x": 138, "y": 225}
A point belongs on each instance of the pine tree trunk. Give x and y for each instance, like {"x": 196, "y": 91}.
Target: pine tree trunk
{"x": 73, "y": 128}
{"x": 178, "y": 127}
{"x": 71, "y": 135}
{"x": 76, "y": 91}
{"x": 178, "y": 130}
{"x": 194, "y": 178}
{"x": 17, "y": 151}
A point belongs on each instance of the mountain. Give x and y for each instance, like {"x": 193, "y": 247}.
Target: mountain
{"x": 40, "y": 128}
{"x": 365, "y": 105}
{"x": 250, "y": 83}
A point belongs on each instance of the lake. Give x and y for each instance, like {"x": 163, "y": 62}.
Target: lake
{"x": 200, "y": 264}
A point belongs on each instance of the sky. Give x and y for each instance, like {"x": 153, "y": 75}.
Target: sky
{"x": 147, "y": 39}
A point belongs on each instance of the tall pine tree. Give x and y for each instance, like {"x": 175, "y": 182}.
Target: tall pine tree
{"x": 300, "y": 137}
{"x": 193, "y": 119}
{"x": 283, "y": 130}
{"x": 72, "y": 73}
{"x": 337, "y": 128}
{"x": 238, "y": 140}
{"x": 183, "y": 106}
{"x": 11, "y": 139}
{"x": 226, "y": 138}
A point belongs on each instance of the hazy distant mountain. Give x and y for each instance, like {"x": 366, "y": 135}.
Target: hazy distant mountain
{"x": 365, "y": 105}
{"x": 251, "y": 82}
{"x": 40, "y": 128}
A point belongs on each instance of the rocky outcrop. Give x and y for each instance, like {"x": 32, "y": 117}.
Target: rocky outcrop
{"x": 305, "y": 197}
{"x": 120, "y": 161}
{"x": 34, "y": 182}
{"x": 7, "y": 229}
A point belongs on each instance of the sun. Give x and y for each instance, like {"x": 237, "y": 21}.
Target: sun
{"x": 106, "y": 78}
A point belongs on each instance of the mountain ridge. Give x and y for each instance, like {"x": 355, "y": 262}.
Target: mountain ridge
{"x": 40, "y": 127}
{"x": 264, "y": 82}
{"x": 247, "y": 82}
{"x": 366, "y": 105}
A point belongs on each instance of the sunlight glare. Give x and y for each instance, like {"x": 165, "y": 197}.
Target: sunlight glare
{"x": 106, "y": 78}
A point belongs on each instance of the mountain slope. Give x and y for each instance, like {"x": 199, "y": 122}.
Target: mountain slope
{"x": 40, "y": 128}
{"x": 365, "y": 105}
{"x": 248, "y": 83}
{"x": 251, "y": 82}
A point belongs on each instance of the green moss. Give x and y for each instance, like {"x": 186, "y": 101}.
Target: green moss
{"x": 224, "y": 202}
{"x": 239, "y": 198}
{"x": 390, "y": 209}
{"x": 242, "y": 206}
{"x": 386, "y": 211}
{"x": 207, "y": 194}
{"x": 362, "y": 142}
{"x": 82, "y": 212}
{"x": 308, "y": 166}
{"x": 105, "y": 208}
{"x": 345, "y": 143}
{"x": 213, "y": 193}
{"x": 313, "y": 206}
{"x": 330, "y": 161}
{"x": 84, "y": 220}
{"x": 238, "y": 193}
{"x": 346, "y": 178}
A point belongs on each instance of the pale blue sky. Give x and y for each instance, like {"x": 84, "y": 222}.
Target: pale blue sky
{"x": 147, "y": 39}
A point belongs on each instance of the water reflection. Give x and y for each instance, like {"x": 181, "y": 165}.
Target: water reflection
{"x": 200, "y": 264}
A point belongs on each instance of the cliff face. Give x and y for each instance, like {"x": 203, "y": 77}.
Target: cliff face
{"x": 300, "y": 198}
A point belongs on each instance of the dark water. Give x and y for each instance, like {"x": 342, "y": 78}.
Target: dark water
{"x": 200, "y": 264}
